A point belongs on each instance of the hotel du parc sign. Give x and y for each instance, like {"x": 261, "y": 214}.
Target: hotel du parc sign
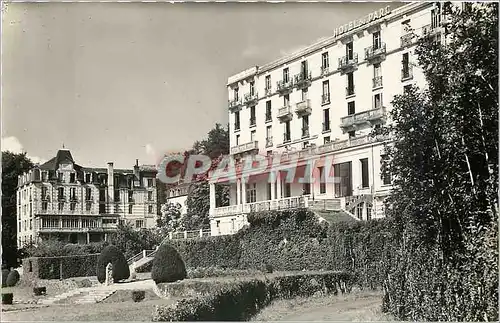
{"x": 362, "y": 21}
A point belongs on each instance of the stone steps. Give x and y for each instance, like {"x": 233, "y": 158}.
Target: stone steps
{"x": 94, "y": 296}
{"x": 57, "y": 298}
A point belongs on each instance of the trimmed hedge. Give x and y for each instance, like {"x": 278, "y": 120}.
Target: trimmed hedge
{"x": 112, "y": 255}
{"x": 168, "y": 265}
{"x": 13, "y": 278}
{"x": 138, "y": 295}
{"x": 239, "y": 300}
{"x": 60, "y": 267}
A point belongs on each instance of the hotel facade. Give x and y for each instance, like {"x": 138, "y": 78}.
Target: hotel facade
{"x": 81, "y": 204}
{"x": 324, "y": 101}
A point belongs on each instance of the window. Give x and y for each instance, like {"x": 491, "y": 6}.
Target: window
{"x": 349, "y": 51}
{"x": 351, "y": 108}
{"x": 150, "y": 182}
{"x": 139, "y": 223}
{"x": 287, "y": 136}
{"x": 406, "y": 65}
{"x": 117, "y": 196}
{"x": 87, "y": 178}
{"x": 303, "y": 69}
{"x": 268, "y": 82}
{"x": 364, "y": 173}
{"x": 218, "y": 223}
{"x": 326, "y": 120}
{"x": 269, "y": 191}
{"x": 60, "y": 193}
{"x": 352, "y": 134}
{"x": 350, "y": 84}
{"x": 72, "y": 206}
{"x": 325, "y": 61}
{"x": 60, "y": 206}
{"x": 150, "y": 209}
{"x": 44, "y": 192}
{"x": 88, "y": 193}
{"x": 386, "y": 176}
{"x": 269, "y": 135}
{"x": 359, "y": 211}
{"x": 236, "y": 94}
{"x": 130, "y": 196}
{"x": 44, "y": 176}
{"x": 268, "y": 111}
{"x": 252, "y": 88}
{"x": 130, "y": 208}
{"x": 326, "y": 92}
{"x": 305, "y": 126}
{"x": 288, "y": 190}
{"x": 322, "y": 180}
{"x": 72, "y": 177}
{"x": 435, "y": 18}
{"x": 377, "y": 75}
{"x": 251, "y": 193}
{"x": 45, "y": 206}
{"x": 286, "y": 100}
{"x": 237, "y": 120}
{"x": 88, "y": 206}
{"x": 304, "y": 94}
{"x": 237, "y": 140}
{"x": 286, "y": 75}
{"x": 150, "y": 196}
{"x": 377, "y": 101}
{"x": 368, "y": 211}
{"x": 326, "y": 139}
{"x": 252, "y": 135}
{"x": 252, "y": 116}
{"x": 377, "y": 43}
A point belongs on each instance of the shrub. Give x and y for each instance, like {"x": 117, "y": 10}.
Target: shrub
{"x": 5, "y": 274}
{"x": 168, "y": 265}
{"x": 7, "y": 298}
{"x": 111, "y": 254}
{"x": 39, "y": 291}
{"x": 13, "y": 278}
{"x": 138, "y": 295}
{"x": 269, "y": 268}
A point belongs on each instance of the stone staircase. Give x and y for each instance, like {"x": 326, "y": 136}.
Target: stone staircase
{"x": 60, "y": 297}
{"x": 94, "y": 296}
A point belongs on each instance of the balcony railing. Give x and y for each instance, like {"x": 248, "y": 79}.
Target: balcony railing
{"x": 429, "y": 30}
{"x": 237, "y": 126}
{"x": 325, "y": 70}
{"x": 305, "y": 132}
{"x": 326, "y": 126}
{"x": 252, "y": 122}
{"x": 349, "y": 91}
{"x": 278, "y": 204}
{"x": 370, "y": 116}
{"x": 406, "y": 40}
{"x": 269, "y": 141}
{"x": 268, "y": 117}
{"x": 407, "y": 73}
{"x": 374, "y": 52}
{"x": 348, "y": 62}
{"x": 303, "y": 79}
{"x": 268, "y": 91}
{"x": 285, "y": 113}
{"x": 304, "y": 107}
{"x": 377, "y": 82}
{"x": 325, "y": 98}
{"x": 249, "y": 146}
{"x": 286, "y": 137}
{"x": 234, "y": 104}
{"x": 251, "y": 99}
{"x": 284, "y": 86}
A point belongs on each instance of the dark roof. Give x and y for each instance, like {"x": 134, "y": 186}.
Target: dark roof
{"x": 63, "y": 155}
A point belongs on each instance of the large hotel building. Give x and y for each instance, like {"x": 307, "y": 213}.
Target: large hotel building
{"x": 324, "y": 101}
{"x": 81, "y": 204}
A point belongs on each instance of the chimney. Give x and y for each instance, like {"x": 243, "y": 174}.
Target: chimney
{"x": 136, "y": 169}
{"x": 111, "y": 183}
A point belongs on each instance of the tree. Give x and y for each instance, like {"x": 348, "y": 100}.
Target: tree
{"x": 215, "y": 146}
{"x": 170, "y": 219}
{"x": 444, "y": 161}
{"x": 131, "y": 241}
{"x": 13, "y": 165}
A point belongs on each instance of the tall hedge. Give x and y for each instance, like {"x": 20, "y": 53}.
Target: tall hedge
{"x": 111, "y": 254}
{"x": 168, "y": 265}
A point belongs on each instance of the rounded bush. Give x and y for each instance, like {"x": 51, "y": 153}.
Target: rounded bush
{"x": 5, "y": 274}
{"x": 138, "y": 295}
{"x": 13, "y": 278}
{"x": 168, "y": 265}
{"x": 111, "y": 254}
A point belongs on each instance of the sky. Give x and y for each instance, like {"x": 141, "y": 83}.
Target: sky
{"x": 125, "y": 81}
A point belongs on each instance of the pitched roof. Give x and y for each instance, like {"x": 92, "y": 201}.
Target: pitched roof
{"x": 63, "y": 156}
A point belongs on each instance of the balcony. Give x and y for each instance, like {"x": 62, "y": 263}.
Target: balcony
{"x": 325, "y": 98}
{"x": 375, "y": 54}
{"x": 348, "y": 64}
{"x": 305, "y": 133}
{"x": 269, "y": 142}
{"x": 251, "y": 99}
{"x": 326, "y": 127}
{"x": 234, "y": 104}
{"x": 277, "y": 204}
{"x": 268, "y": 91}
{"x": 357, "y": 120}
{"x": 284, "y": 113}
{"x": 237, "y": 126}
{"x": 406, "y": 40}
{"x": 252, "y": 122}
{"x": 269, "y": 118}
{"x": 284, "y": 86}
{"x": 303, "y": 108}
{"x": 430, "y": 30}
{"x": 377, "y": 82}
{"x": 287, "y": 138}
{"x": 303, "y": 80}
{"x": 349, "y": 91}
{"x": 325, "y": 70}
{"x": 406, "y": 73}
{"x": 244, "y": 148}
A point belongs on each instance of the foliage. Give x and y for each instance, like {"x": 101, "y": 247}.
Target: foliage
{"x": 13, "y": 165}
{"x": 138, "y": 295}
{"x": 5, "y": 274}
{"x": 168, "y": 265}
{"x": 55, "y": 248}
{"x": 131, "y": 241}
{"x": 113, "y": 255}
{"x": 444, "y": 161}
{"x": 38, "y": 291}
{"x": 12, "y": 278}
{"x": 239, "y": 300}
{"x": 170, "y": 219}
{"x": 61, "y": 267}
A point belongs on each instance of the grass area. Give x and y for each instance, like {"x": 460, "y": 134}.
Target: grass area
{"x": 125, "y": 295}
{"x": 357, "y": 306}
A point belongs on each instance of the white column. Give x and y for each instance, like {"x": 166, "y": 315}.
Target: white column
{"x": 278, "y": 183}
{"x": 212, "y": 196}
{"x": 273, "y": 186}
{"x": 238, "y": 191}
{"x": 243, "y": 191}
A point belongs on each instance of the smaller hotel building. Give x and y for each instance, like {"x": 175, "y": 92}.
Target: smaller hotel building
{"x": 322, "y": 101}
{"x": 82, "y": 204}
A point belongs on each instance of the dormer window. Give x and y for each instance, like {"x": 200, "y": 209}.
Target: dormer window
{"x": 60, "y": 176}
{"x": 72, "y": 178}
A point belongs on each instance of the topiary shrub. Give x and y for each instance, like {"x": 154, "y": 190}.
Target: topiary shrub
{"x": 5, "y": 274}
{"x": 13, "y": 278}
{"x": 138, "y": 295}
{"x": 168, "y": 265}
{"x": 111, "y": 254}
